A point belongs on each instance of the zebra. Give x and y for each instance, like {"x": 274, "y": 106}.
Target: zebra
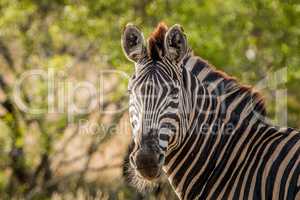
{"x": 204, "y": 130}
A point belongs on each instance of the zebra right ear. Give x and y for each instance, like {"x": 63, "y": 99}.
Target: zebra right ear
{"x": 175, "y": 43}
{"x": 133, "y": 43}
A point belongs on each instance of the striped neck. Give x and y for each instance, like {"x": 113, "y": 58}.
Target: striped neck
{"x": 219, "y": 84}
{"x": 219, "y": 113}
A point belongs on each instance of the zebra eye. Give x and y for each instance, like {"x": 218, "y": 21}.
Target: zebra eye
{"x": 174, "y": 92}
{"x": 173, "y": 95}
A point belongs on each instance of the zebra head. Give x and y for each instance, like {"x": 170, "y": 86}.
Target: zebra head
{"x": 154, "y": 95}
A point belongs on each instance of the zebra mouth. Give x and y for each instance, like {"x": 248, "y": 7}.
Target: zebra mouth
{"x": 149, "y": 173}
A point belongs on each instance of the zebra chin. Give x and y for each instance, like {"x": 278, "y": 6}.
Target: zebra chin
{"x": 150, "y": 174}
{"x": 144, "y": 179}
{"x": 141, "y": 183}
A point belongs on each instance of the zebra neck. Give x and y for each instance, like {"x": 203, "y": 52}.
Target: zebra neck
{"x": 203, "y": 155}
{"x": 203, "y": 159}
{"x": 221, "y": 124}
{"x": 219, "y": 85}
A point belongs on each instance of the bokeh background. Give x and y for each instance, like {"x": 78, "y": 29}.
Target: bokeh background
{"x": 48, "y": 156}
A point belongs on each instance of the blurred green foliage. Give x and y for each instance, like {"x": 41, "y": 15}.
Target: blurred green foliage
{"x": 246, "y": 39}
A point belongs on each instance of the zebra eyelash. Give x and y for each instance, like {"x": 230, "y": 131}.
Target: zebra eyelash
{"x": 174, "y": 93}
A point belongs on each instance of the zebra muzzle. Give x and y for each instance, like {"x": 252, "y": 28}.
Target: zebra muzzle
{"x": 148, "y": 165}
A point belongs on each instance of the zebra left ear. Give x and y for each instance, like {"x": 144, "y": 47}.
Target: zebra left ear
{"x": 133, "y": 43}
{"x": 175, "y": 43}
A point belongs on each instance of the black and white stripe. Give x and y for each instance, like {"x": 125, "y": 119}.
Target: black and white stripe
{"x": 254, "y": 160}
{"x": 211, "y": 130}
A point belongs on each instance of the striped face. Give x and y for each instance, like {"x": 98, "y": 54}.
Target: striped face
{"x": 154, "y": 103}
{"x": 154, "y": 113}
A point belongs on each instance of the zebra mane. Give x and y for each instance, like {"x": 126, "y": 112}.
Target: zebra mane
{"x": 156, "y": 42}
{"x": 208, "y": 74}
{"x": 204, "y": 71}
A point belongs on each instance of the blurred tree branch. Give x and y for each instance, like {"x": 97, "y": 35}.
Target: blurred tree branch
{"x": 5, "y": 52}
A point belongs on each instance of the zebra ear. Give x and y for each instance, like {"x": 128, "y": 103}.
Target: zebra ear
{"x": 133, "y": 43}
{"x": 175, "y": 43}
